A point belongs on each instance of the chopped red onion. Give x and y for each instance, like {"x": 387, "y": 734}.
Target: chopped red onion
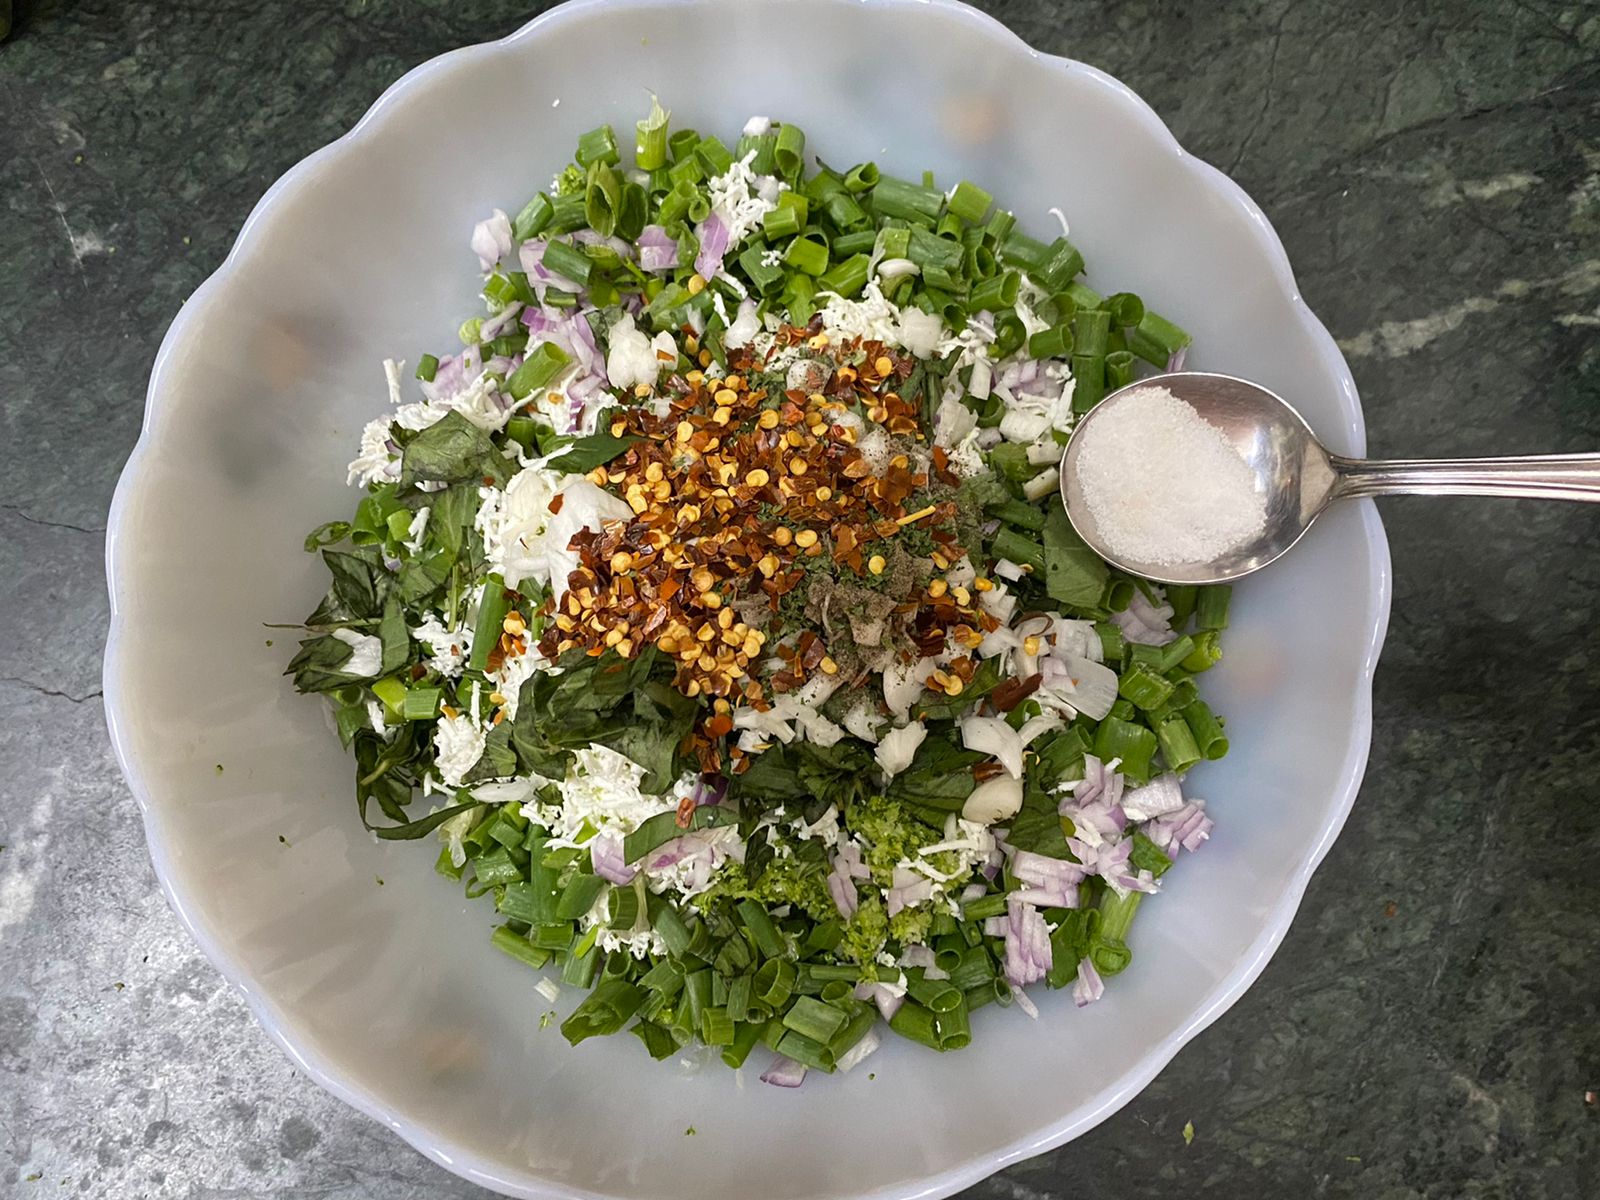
{"x": 897, "y": 898}
{"x": 917, "y": 956}
{"x": 843, "y": 890}
{"x": 540, "y": 320}
{"x": 1109, "y": 860}
{"x": 859, "y": 1051}
{"x": 1096, "y": 796}
{"x": 1089, "y": 986}
{"x": 1187, "y": 827}
{"x": 709, "y": 789}
{"x": 605, "y": 853}
{"x": 887, "y": 999}
{"x": 1162, "y": 795}
{"x": 910, "y": 888}
{"x": 657, "y": 251}
{"x": 1028, "y": 954}
{"x": 448, "y": 378}
{"x": 531, "y": 254}
{"x": 713, "y": 235}
{"x": 784, "y": 1072}
{"x": 588, "y": 349}
{"x": 1143, "y": 622}
{"x": 1200, "y": 833}
{"x": 1176, "y": 359}
{"x": 495, "y": 325}
{"x": 491, "y": 240}
{"x": 848, "y": 861}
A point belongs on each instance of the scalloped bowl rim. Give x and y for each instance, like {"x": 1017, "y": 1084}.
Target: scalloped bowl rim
{"x": 327, "y": 1073}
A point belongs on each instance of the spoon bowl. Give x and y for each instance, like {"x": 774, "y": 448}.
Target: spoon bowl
{"x": 1294, "y": 475}
{"x": 1297, "y": 478}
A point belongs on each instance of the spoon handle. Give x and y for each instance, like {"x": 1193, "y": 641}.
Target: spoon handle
{"x": 1535, "y": 477}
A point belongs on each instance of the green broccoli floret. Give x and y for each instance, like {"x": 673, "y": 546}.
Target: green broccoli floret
{"x": 893, "y": 835}
{"x": 782, "y": 881}
{"x": 802, "y": 884}
{"x": 910, "y": 925}
{"x": 727, "y": 883}
{"x": 865, "y": 932}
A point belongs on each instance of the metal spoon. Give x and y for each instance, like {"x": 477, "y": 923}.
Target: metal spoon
{"x": 1299, "y": 478}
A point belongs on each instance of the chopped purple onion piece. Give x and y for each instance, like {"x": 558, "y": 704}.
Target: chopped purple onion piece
{"x": 657, "y": 251}
{"x": 713, "y": 235}
{"x": 784, "y": 1072}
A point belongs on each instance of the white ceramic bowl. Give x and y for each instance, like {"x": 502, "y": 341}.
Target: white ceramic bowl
{"x": 391, "y": 996}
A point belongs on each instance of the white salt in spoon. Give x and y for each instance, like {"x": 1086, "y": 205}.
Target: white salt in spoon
{"x": 1297, "y": 478}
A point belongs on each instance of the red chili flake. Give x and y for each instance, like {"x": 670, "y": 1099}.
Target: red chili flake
{"x": 1013, "y": 692}
{"x": 989, "y": 769}
{"x": 556, "y": 502}
{"x": 686, "y": 808}
{"x": 813, "y": 654}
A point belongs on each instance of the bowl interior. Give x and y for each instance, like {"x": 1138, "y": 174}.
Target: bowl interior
{"x": 390, "y": 993}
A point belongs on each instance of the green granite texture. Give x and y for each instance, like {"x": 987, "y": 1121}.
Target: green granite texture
{"x": 1429, "y": 1027}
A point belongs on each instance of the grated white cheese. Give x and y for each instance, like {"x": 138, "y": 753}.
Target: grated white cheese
{"x": 447, "y": 648}
{"x": 741, "y": 198}
{"x": 366, "y": 653}
{"x": 513, "y": 673}
{"x": 871, "y": 316}
{"x": 375, "y": 461}
{"x": 638, "y": 944}
{"x": 418, "y": 415}
{"x": 458, "y": 745}
{"x": 875, "y": 317}
{"x": 601, "y": 793}
{"x": 479, "y": 403}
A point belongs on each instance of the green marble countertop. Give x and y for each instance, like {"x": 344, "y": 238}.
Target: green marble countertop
{"x": 1429, "y": 1027}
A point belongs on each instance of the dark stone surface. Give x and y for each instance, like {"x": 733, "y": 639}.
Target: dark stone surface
{"x": 1429, "y": 1028}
